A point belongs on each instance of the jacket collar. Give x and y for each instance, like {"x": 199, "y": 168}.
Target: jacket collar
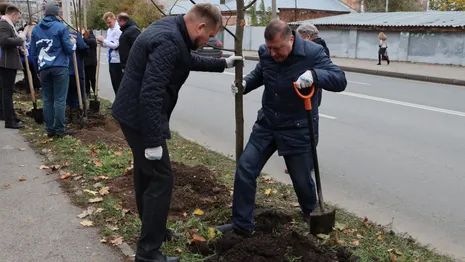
{"x": 128, "y": 24}
{"x": 183, "y": 29}
{"x": 298, "y": 48}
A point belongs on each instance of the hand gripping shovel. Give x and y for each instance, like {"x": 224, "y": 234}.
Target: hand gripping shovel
{"x": 321, "y": 222}
{"x": 94, "y": 105}
{"x": 37, "y": 113}
{"x": 78, "y": 87}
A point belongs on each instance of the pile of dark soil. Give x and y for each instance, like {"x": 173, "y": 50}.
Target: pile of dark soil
{"x": 195, "y": 187}
{"x": 101, "y": 129}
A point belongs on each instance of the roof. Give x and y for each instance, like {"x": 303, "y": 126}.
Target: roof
{"x": 182, "y": 6}
{"x": 394, "y": 19}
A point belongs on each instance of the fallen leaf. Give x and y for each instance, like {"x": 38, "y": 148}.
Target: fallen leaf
{"x": 268, "y": 192}
{"x": 6, "y": 185}
{"x": 46, "y": 141}
{"x": 83, "y": 214}
{"x": 296, "y": 204}
{"x": 65, "y": 164}
{"x": 44, "y": 167}
{"x": 104, "y": 190}
{"x": 130, "y": 153}
{"x": 56, "y": 167}
{"x": 185, "y": 214}
{"x": 392, "y": 257}
{"x": 363, "y": 231}
{"x": 359, "y": 236}
{"x": 99, "y": 210}
{"x": 178, "y": 250}
{"x": 22, "y": 149}
{"x": 103, "y": 240}
{"x": 322, "y": 236}
{"x": 399, "y": 253}
{"x": 196, "y": 237}
{"x": 98, "y": 163}
{"x": 125, "y": 211}
{"x": 275, "y": 191}
{"x": 117, "y": 241}
{"x": 339, "y": 226}
{"x": 98, "y": 178}
{"x": 21, "y": 179}
{"x": 112, "y": 228}
{"x": 211, "y": 233}
{"x": 118, "y": 153}
{"x": 356, "y": 243}
{"x": 380, "y": 237}
{"x": 93, "y": 193}
{"x": 95, "y": 200}
{"x": 87, "y": 223}
{"x": 65, "y": 176}
{"x": 198, "y": 212}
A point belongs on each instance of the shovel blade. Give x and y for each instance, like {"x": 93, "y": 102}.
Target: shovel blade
{"x": 322, "y": 222}
{"x": 94, "y": 106}
{"x": 38, "y": 115}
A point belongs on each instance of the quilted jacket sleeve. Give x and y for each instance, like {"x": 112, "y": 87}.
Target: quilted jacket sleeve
{"x": 328, "y": 75}
{"x": 207, "y": 64}
{"x": 163, "y": 55}
{"x": 5, "y": 39}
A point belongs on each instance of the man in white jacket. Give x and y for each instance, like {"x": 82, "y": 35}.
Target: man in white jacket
{"x": 112, "y": 43}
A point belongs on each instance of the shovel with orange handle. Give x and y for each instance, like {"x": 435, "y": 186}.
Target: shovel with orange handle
{"x": 322, "y": 221}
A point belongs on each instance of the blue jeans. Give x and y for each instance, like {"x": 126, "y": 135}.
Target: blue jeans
{"x": 54, "y": 91}
{"x": 259, "y": 149}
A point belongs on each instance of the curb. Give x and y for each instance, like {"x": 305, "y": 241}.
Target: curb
{"x": 431, "y": 79}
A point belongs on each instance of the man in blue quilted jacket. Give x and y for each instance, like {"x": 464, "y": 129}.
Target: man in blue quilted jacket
{"x": 159, "y": 63}
{"x": 282, "y": 121}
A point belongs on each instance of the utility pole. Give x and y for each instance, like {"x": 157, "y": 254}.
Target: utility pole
{"x": 387, "y": 6}
{"x": 273, "y": 9}
{"x": 295, "y": 10}
{"x": 29, "y": 11}
{"x": 85, "y": 13}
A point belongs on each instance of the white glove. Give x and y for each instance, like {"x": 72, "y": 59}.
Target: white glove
{"x": 230, "y": 60}
{"x": 154, "y": 153}
{"x": 22, "y": 35}
{"x": 234, "y": 88}
{"x": 305, "y": 80}
{"x": 25, "y": 52}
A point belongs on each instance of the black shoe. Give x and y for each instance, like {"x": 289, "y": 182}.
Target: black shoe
{"x": 389, "y": 62}
{"x": 66, "y": 133}
{"x": 18, "y": 120}
{"x": 14, "y": 125}
{"x": 159, "y": 258}
{"x": 229, "y": 227}
{"x": 378, "y": 64}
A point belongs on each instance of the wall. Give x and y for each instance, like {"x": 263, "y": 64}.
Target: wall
{"x": 422, "y": 47}
{"x": 292, "y": 15}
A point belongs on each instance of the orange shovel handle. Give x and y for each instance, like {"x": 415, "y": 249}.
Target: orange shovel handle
{"x": 307, "y": 98}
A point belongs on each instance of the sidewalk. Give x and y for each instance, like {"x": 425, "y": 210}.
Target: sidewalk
{"x": 443, "y": 74}
{"x": 38, "y": 222}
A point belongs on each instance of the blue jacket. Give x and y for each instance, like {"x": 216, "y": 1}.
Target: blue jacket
{"x": 283, "y": 112}
{"x": 29, "y": 58}
{"x": 50, "y": 44}
{"x": 81, "y": 52}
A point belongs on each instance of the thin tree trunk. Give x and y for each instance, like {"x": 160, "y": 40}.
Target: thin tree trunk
{"x": 239, "y": 72}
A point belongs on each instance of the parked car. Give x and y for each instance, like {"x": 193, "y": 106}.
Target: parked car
{"x": 208, "y": 50}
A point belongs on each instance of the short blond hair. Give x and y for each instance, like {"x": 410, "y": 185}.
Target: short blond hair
{"x": 208, "y": 13}
{"x": 382, "y": 36}
{"x": 108, "y": 15}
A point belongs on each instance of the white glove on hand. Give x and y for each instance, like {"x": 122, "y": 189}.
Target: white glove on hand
{"x": 305, "y": 80}
{"x": 154, "y": 153}
{"x": 22, "y": 36}
{"x": 230, "y": 61}
{"x": 234, "y": 88}
{"x": 25, "y": 52}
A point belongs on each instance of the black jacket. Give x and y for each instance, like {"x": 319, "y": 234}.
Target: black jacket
{"x": 323, "y": 44}
{"x": 158, "y": 66}
{"x": 91, "y": 58}
{"x": 9, "y": 42}
{"x": 129, "y": 34}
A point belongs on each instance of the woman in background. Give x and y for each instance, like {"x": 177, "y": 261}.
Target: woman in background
{"x": 35, "y": 80}
{"x": 90, "y": 61}
{"x": 382, "y": 48}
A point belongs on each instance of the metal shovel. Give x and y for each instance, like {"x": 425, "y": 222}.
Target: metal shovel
{"x": 37, "y": 113}
{"x": 94, "y": 105}
{"x": 321, "y": 222}
{"x": 78, "y": 87}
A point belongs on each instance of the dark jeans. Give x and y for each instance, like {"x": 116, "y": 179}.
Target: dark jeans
{"x": 72, "y": 98}
{"x": 7, "y": 82}
{"x": 381, "y": 54}
{"x": 116, "y": 75}
{"x": 35, "y": 79}
{"x": 153, "y": 182}
{"x": 90, "y": 73}
{"x": 250, "y": 165}
{"x": 55, "y": 82}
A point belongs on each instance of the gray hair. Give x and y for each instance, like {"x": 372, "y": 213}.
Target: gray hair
{"x": 308, "y": 30}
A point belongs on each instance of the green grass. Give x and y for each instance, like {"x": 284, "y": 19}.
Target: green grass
{"x": 374, "y": 242}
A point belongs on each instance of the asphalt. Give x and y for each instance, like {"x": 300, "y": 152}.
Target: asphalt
{"x": 390, "y": 149}
{"x": 38, "y": 221}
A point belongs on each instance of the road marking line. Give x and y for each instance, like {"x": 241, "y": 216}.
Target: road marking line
{"x": 359, "y": 83}
{"x": 321, "y": 115}
{"x": 395, "y": 102}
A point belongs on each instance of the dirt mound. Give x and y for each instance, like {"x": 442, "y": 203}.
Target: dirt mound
{"x": 272, "y": 242}
{"x": 194, "y": 187}
{"x": 103, "y": 130}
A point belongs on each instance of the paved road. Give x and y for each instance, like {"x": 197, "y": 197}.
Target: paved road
{"x": 390, "y": 149}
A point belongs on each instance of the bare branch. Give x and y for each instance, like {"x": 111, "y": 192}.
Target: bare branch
{"x": 192, "y": 1}
{"x": 250, "y": 4}
{"x": 159, "y": 9}
{"x": 219, "y": 48}
{"x": 171, "y": 9}
{"x": 227, "y": 21}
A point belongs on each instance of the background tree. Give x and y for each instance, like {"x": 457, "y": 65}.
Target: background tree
{"x": 394, "y": 6}
{"x": 253, "y": 15}
{"x": 262, "y": 17}
{"x": 447, "y": 5}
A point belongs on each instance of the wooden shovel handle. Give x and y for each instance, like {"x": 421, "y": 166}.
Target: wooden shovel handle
{"x": 29, "y": 75}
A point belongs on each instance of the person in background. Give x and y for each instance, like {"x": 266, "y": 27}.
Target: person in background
{"x": 51, "y": 46}
{"x": 72, "y": 100}
{"x": 112, "y": 43}
{"x": 308, "y": 31}
{"x": 130, "y": 31}
{"x": 382, "y": 52}
{"x": 35, "y": 80}
{"x": 90, "y": 61}
{"x": 10, "y": 62}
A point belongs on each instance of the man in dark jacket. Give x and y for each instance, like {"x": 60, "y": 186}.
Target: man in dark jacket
{"x": 159, "y": 63}
{"x": 9, "y": 62}
{"x": 130, "y": 32}
{"x": 50, "y": 47}
{"x": 282, "y": 121}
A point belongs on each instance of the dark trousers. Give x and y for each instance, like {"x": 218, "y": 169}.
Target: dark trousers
{"x": 153, "y": 183}
{"x": 116, "y": 75}
{"x": 381, "y": 54}
{"x": 72, "y": 99}
{"x": 250, "y": 165}
{"x": 90, "y": 73}
{"x": 7, "y": 82}
{"x": 35, "y": 79}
